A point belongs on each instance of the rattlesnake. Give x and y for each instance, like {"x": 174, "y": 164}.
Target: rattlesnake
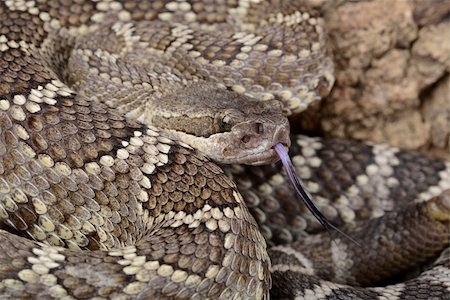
{"x": 161, "y": 219}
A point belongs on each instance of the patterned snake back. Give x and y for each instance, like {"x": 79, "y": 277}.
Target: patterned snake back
{"x": 94, "y": 204}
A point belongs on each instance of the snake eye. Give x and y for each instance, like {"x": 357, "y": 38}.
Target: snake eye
{"x": 225, "y": 120}
{"x": 225, "y": 123}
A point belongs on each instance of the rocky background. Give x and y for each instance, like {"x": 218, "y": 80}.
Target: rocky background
{"x": 392, "y": 74}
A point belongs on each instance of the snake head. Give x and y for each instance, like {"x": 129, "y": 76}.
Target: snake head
{"x": 250, "y": 133}
{"x": 226, "y": 126}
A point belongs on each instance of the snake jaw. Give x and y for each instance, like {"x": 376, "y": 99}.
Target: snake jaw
{"x": 252, "y": 142}
{"x": 249, "y": 142}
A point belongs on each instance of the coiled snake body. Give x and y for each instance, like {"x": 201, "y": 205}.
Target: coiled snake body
{"x": 122, "y": 210}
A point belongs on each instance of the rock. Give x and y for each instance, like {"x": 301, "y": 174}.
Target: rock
{"x": 390, "y": 60}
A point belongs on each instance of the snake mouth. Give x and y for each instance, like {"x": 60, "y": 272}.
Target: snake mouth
{"x": 257, "y": 147}
{"x": 269, "y": 156}
{"x": 249, "y": 143}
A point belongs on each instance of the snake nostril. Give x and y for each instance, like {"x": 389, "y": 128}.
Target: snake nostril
{"x": 259, "y": 128}
{"x": 245, "y": 139}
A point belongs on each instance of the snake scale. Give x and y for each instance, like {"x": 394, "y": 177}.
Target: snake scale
{"x": 95, "y": 205}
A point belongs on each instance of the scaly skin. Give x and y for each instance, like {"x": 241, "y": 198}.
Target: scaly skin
{"x": 121, "y": 210}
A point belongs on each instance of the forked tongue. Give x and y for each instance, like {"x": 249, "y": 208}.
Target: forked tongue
{"x": 289, "y": 168}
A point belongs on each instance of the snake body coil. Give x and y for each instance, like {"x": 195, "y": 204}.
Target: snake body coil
{"x": 122, "y": 210}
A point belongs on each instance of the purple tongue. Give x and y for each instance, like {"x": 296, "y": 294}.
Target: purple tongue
{"x": 289, "y": 168}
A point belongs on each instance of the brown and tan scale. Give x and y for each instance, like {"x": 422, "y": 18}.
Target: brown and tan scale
{"x": 119, "y": 210}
